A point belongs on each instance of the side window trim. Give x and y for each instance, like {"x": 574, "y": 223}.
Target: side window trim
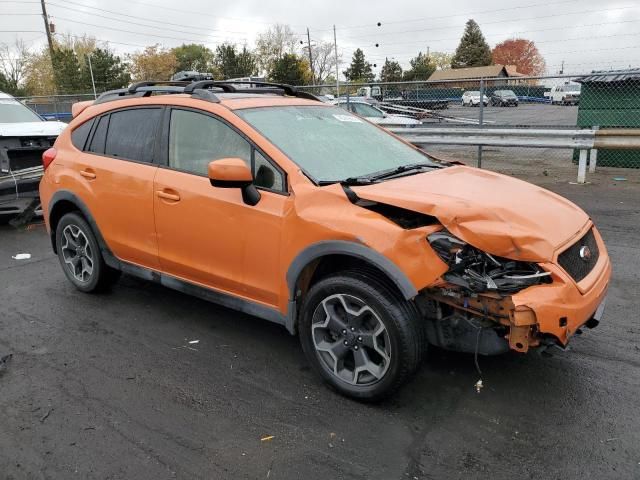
{"x": 164, "y": 150}
{"x": 154, "y": 160}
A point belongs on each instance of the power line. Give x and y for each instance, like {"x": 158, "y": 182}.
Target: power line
{"x": 191, "y": 40}
{"x": 133, "y": 16}
{"x": 514, "y": 33}
{"x": 493, "y": 22}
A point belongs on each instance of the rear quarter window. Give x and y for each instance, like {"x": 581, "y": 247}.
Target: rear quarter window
{"x": 80, "y": 134}
{"x": 99, "y": 136}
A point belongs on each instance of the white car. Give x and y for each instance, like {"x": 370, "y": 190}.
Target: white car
{"x": 376, "y": 115}
{"x": 472, "y": 99}
{"x": 24, "y": 136}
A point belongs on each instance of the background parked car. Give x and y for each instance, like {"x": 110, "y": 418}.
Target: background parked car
{"x": 24, "y": 136}
{"x": 504, "y": 98}
{"x": 472, "y": 99}
{"x": 377, "y": 116}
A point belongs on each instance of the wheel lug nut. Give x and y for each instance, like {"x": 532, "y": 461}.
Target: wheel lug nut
{"x": 344, "y": 332}
{"x": 359, "y": 339}
{"x": 356, "y": 347}
{"x": 346, "y": 343}
{"x": 353, "y": 329}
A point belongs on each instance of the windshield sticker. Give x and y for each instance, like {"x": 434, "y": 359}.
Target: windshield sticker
{"x": 347, "y": 118}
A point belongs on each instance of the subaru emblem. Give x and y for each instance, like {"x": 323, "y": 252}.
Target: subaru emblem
{"x": 585, "y": 253}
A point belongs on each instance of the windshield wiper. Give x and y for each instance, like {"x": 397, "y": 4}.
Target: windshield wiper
{"x": 414, "y": 167}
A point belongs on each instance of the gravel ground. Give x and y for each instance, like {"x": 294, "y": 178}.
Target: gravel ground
{"x": 108, "y": 387}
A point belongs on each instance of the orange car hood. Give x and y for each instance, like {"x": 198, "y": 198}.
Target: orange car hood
{"x": 495, "y": 213}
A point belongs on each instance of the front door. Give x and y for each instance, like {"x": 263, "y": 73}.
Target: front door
{"x": 204, "y": 232}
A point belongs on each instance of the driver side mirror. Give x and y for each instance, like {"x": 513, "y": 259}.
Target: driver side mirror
{"x": 234, "y": 173}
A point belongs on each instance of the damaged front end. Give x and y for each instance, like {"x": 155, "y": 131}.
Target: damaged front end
{"x": 472, "y": 309}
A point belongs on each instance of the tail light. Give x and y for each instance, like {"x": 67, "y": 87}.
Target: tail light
{"x": 48, "y": 156}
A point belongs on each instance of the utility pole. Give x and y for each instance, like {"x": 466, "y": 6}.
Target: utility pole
{"x": 313, "y": 77}
{"x": 46, "y": 28}
{"x": 93, "y": 83}
{"x": 335, "y": 44}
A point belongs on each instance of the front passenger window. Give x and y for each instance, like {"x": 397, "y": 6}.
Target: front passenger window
{"x": 196, "y": 139}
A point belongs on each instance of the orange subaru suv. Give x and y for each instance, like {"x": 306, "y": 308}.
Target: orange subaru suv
{"x": 263, "y": 199}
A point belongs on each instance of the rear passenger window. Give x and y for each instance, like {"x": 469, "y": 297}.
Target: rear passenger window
{"x": 99, "y": 136}
{"x": 79, "y": 135}
{"x": 132, "y": 134}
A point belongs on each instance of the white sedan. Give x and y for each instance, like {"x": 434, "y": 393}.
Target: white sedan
{"x": 377, "y": 116}
{"x": 472, "y": 99}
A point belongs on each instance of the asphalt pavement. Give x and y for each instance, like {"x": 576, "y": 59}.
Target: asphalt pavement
{"x": 525, "y": 114}
{"x": 110, "y": 386}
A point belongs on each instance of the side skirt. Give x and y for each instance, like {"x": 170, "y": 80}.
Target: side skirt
{"x": 214, "y": 296}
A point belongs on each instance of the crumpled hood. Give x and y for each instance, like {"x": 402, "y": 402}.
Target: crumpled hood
{"x": 495, "y": 213}
{"x": 27, "y": 129}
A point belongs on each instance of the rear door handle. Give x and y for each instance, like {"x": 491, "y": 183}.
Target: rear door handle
{"x": 90, "y": 174}
{"x": 174, "y": 197}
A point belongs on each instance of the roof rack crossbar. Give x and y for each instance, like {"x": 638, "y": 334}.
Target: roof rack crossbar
{"x": 133, "y": 88}
{"x": 288, "y": 89}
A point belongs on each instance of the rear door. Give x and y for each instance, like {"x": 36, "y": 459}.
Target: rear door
{"x": 117, "y": 169}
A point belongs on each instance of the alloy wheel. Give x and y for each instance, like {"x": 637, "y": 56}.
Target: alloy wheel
{"x": 351, "y": 340}
{"x": 77, "y": 253}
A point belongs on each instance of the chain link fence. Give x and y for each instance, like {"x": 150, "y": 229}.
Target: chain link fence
{"x": 596, "y": 100}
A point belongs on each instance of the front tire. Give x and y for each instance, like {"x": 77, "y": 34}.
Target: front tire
{"x": 80, "y": 256}
{"x": 360, "y": 336}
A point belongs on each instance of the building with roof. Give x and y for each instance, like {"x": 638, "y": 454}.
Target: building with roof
{"x": 494, "y": 75}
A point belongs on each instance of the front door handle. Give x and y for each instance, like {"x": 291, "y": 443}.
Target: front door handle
{"x": 90, "y": 174}
{"x": 174, "y": 197}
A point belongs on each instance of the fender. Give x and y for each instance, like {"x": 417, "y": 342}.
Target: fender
{"x": 65, "y": 195}
{"x": 341, "y": 247}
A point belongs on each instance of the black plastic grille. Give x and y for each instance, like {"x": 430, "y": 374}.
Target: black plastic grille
{"x": 573, "y": 263}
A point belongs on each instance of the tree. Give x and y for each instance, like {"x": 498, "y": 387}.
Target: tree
{"x": 153, "y": 63}
{"x": 108, "y": 71}
{"x": 391, "y": 71}
{"x": 421, "y": 68}
{"x": 233, "y": 64}
{"x": 246, "y": 64}
{"x": 39, "y": 78}
{"x": 291, "y": 69}
{"x": 13, "y": 66}
{"x": 66, "y": 71}
{"x": 473, "y": 50}
{"x": 324, "y": 61}
{"x": 441, "y": 60}
{"x": 360, "y": 69}
{"x": 522, "y": 53}
{"x": 272, "y": 45}
{"x": 193, "y": 57}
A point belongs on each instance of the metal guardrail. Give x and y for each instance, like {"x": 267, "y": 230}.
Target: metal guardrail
{"x": 583, "y": 140}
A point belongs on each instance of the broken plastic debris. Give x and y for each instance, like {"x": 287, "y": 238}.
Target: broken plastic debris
{"x": 194, "y": 341}
{"x": 21, "y": 256}
{"x": 266, "y": 438}
{"x": 479, "y": 385}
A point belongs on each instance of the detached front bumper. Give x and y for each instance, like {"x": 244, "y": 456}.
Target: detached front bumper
{"x": 18, "y": 190}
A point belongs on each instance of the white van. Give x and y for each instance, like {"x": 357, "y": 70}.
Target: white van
{"x": 567, "y": 94}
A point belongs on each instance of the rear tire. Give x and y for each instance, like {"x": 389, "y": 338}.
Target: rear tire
{"x": 80, "y": 255}
{"x": 360, "y": 336}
